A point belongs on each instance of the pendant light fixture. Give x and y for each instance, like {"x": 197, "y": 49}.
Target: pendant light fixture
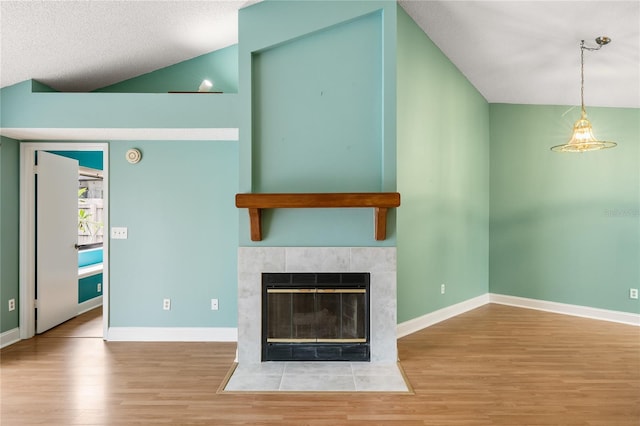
{"x": 582, "y": 139}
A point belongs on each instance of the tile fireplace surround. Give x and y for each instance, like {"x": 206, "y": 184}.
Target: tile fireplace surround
{"x": 380, "y": 262}
{"x": 382, "y": 373}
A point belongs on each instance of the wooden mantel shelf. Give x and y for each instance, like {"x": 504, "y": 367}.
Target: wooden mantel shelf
{"x": 379, "y": 201}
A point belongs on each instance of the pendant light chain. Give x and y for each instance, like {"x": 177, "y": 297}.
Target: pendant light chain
{"x": 600, "y": 41}
{"x": 582, "y": 76}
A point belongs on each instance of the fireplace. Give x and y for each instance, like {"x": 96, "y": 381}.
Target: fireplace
{"x": 379, "y": 264}
{"x": 315, "y": 316}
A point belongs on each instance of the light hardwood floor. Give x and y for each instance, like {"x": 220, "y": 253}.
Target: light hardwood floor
{"x": 495, "y": 365}
{"x": 88, "y": 324}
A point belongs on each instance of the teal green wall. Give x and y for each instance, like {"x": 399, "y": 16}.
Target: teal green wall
{"x": 90, "y": 159}
{"x": 9, "y": 226}
{"x": 334, "y": 142}
{"x": 219, "y": 67}
{"x": 443, "y": 176}
{"x": 22, "y": 106}
{"x": 178, "y": 206}
{"x": 36, "y": 86}
{"x": 565, "y": 227}
{"x": 88, "y": 287}
{"x": 315, "y": 116}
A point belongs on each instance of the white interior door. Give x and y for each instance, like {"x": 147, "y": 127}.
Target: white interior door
{"x": 56, "y": 238}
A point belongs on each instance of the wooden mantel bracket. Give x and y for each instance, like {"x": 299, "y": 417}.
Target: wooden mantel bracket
{"x": 379, "y": 201}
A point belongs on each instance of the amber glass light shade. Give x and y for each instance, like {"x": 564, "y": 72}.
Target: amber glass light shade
{"x": 583, "y": 139}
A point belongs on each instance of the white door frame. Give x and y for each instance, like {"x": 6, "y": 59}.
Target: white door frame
{"x": 27, "y": 229}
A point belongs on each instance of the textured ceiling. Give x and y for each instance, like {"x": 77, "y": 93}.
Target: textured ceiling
{"x": 512, "y": 51}
{"x": 79, "y": 46}
{"x": 529, "y": 51}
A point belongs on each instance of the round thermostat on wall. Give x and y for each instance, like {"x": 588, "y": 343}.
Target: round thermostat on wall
{"x": 134, "y": 156}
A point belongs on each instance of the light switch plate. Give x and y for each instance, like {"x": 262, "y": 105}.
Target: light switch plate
{"x": 118, "y": 233}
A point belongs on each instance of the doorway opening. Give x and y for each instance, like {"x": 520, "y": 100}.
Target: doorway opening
{"x": 29, "y": 231}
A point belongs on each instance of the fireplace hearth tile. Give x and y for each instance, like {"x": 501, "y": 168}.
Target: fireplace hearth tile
{"x": 380, "y": 383}
{"x": 374, "y": 369}
{"x": 296, "y": 376}
{"x": 318, "y": 368}
{"x": 262, "y": 382}
{"x": 264, "y": 368}
{"x": 257, "y": 377}
{"x": 317, "y": 383}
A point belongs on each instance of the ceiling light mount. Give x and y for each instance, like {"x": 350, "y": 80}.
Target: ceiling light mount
{"x": 582, "y": 138}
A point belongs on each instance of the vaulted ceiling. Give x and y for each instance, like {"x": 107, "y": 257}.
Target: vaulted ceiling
{"x": 523, "y": 52}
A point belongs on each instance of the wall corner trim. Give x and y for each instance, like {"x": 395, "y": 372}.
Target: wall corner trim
{"x": 9, "y": 337}
{"x": 172, "y": 334}
{"x": 427, "y": 320}
{"x": 566, "y": 309}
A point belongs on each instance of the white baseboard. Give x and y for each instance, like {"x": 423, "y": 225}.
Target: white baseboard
{"x": 566, "y": 309}
{"x": 417, "y": 324}
{"x": 172, "y": 334}
{"x": 9, "y": 337}
{"x": 90, "y": 304}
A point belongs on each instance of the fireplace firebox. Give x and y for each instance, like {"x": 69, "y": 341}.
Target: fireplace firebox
{"x": 315, "y": 316}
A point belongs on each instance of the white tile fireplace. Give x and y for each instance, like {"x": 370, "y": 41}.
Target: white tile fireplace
{"x": 380, "y": 262}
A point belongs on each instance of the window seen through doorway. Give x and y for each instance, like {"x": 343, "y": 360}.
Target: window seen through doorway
{"x": 90, "y": 208}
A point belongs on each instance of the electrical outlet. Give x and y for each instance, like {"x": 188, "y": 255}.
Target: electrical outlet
{"x": 633, "y": 293}
{"x": 214, "y": 304}
{"x": 118, "y": 233}
{"x": 99, "y": 287}
{"x": 12, "y": 304}
{"x": 442, "y": 288}
{"x": 166, "y": 304}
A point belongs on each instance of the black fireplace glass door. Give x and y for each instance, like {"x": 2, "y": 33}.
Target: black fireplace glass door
{"x": 279, "y": 323}
{"x": 315, "y": 316}
{"x": 328, "y": 316}
{"x": 303, "y": 316}
{"x": 291, "y": 316}
{"x": 341, "y": 315}
{"x": 353, "y": 316}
